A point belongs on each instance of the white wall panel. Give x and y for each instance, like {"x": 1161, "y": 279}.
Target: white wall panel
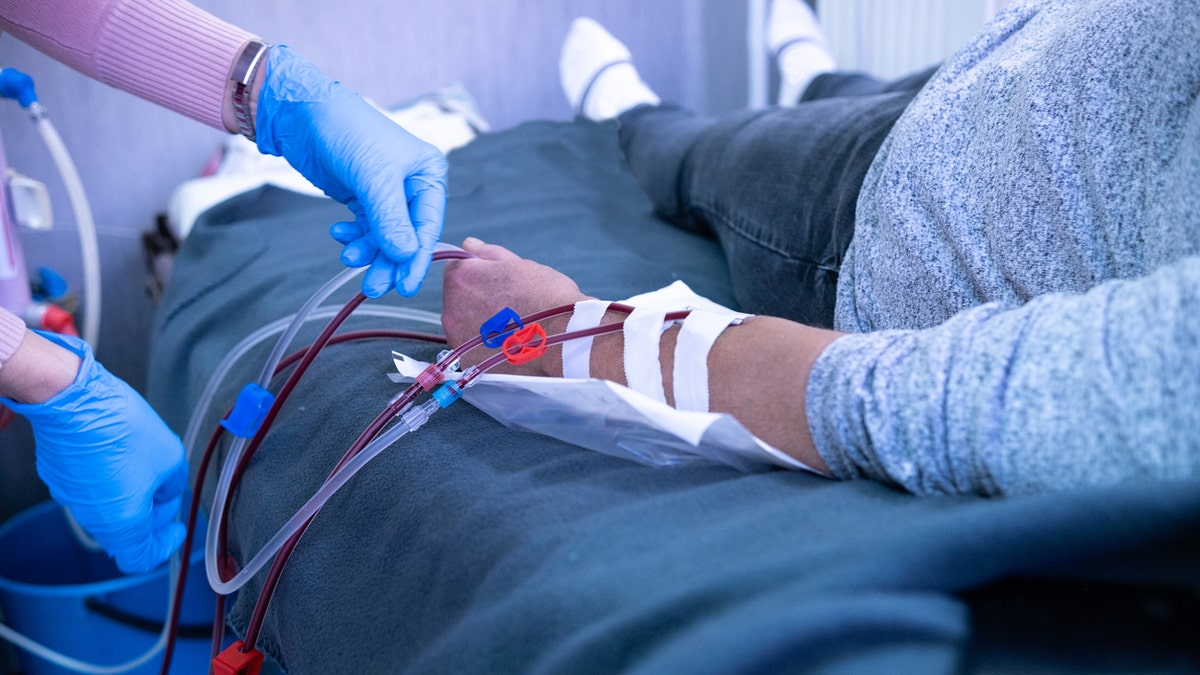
{"x": 892, "y": 38}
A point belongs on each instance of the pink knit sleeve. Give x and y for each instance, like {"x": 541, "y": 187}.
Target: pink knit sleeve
{"x": 165, "y": 51}
{"x": 12, "y": 330}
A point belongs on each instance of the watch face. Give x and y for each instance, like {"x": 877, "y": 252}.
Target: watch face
{"x": 243, "y": 73}
{"x": 243, "y": 70}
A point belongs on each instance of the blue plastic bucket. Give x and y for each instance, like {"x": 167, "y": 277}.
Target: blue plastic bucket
{"x": 79, "y": 604}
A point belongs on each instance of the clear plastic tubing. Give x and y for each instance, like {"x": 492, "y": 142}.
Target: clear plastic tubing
{"x": 297, "y": 521}
{"x": 224, "y": 482}
{"x": 88, "y": 243}
{"x": 216, "y": 516}
{"x": 274, "y": 328}
{"x": 308, "y": 312}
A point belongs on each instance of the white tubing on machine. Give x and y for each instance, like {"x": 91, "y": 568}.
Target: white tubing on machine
{"x": 88, "y": 241}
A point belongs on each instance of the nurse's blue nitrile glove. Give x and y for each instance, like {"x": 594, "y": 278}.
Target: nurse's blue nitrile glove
{"x": 393, "y": 182}
{"x": 108, "y": 458}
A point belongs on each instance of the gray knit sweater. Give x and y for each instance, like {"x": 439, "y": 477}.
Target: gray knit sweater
{"x": 1024, "y": 284}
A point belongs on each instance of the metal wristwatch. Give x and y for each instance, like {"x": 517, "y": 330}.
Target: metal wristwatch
{"x": 242, "y": 76}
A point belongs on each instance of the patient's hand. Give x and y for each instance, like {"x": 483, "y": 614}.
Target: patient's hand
{"x": 475, "y": 289}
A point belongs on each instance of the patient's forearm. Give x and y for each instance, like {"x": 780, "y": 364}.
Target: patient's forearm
{"x": 758, "y": 372}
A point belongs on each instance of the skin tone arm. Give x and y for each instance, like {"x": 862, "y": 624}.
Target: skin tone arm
{"x": 38, "y": 370}
{"x": 758, "y": 370}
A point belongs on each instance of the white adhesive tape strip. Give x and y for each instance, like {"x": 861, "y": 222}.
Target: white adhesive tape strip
{"x": 696, "y": 337}
{"x": 643, "y": 371}
{"x": 577, "y": 354}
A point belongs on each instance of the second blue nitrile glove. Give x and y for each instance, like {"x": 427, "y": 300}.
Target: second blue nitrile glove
{"x": 107, "y": 456}
{"x": 393, "y": 182}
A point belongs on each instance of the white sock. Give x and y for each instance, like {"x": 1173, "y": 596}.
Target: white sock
{"x": 597, "y": 73}
{"x": 796, "y": 41}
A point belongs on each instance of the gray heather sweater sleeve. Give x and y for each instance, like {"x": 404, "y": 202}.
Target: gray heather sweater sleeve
{"x": 1067, "y": 390}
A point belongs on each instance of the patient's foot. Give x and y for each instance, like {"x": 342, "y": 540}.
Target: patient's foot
{"x": 798, "y": 48}
{"x": 597, "y": 73}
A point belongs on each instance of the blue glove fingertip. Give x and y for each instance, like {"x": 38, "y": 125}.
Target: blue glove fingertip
{"x": 359, "y": 252}
{"x": 374, "y": 292}
{"x": 409, "y": 286}
{"x": 347, "y": 231}
{"x": 411, "y": 277}
{"x": 378, "y": 279}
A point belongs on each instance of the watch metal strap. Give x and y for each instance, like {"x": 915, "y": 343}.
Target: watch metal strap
{"x": 242, "y": 76}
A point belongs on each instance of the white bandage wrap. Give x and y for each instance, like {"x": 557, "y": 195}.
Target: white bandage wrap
{"x": 696, "y": 337}
{"x": 643, "y": 371}
{"x": 577, "y": 354}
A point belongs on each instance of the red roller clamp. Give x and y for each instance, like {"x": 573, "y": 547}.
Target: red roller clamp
{"x": 526, "y": 344}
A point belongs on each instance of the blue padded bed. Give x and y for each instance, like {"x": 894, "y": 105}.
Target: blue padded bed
{"x": 472, "y": 547}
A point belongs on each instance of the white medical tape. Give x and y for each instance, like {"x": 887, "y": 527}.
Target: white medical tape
{"x": 696, "y": 337}
{"x": 577, "y": 354}
{"x": 643, "y": 371}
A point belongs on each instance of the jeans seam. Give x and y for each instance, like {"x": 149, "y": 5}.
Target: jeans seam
{"x": 735, "y": 227}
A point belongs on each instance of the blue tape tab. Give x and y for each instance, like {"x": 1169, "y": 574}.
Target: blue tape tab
{"x": 495, "y": 330}
{"x": 253, "y": 403}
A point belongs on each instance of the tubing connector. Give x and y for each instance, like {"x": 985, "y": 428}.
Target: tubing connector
{"x": 450, "y": 367}
{"x": 430, "y": 378}
{"x": 253, "y": 404}
{"x": 37, "y": 111}
{"x": 53, "y": 318}
{"x": 416, "y": 416}
{"x": 18, "y": 86}
{"x": 447, "y": 394}
{"x": 233, "y": 661}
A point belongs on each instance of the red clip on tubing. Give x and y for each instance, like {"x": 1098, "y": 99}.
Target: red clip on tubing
{"x": 525, "y": 345}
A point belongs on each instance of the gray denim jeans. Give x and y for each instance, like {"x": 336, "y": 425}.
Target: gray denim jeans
{"x": 778, "y": 187}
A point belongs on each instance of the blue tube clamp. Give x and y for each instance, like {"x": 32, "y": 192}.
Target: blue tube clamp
{"x": 253, "y": 404}
{"x": 495, "y": 330}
